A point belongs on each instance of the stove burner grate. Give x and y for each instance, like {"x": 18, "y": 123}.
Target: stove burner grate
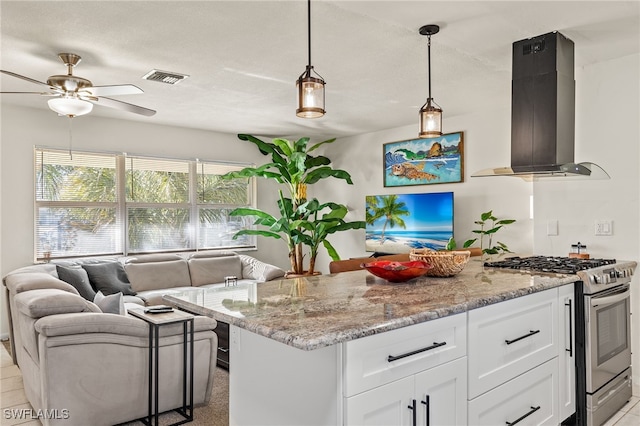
{"x": 558, "y": 265}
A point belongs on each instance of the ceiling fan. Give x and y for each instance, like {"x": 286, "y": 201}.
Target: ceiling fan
{"x": 73, "y": 95}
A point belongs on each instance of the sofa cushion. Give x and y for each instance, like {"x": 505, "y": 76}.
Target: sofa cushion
{"x": 154, "y": 297}
{"x": 153, "y": 272}
{"x": 78, "y": 278}
{"x": 258, "y": 270}
{"x": 109, "y": 278}
{"x": 18, "y": 283}
{"x": 212, "y": 270}
{"x": 111, "y": 304}
{"x": 40, "y": 303}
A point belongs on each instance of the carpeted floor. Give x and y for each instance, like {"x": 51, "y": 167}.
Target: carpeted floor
{"x": 216, "y": 413}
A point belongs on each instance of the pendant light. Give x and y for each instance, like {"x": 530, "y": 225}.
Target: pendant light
{"x": 310, "y": 87}
{"x": 430, "y": 113}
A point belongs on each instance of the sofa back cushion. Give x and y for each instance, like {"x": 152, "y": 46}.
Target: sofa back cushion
{"x": 213, "y": 268}
{"x": 157, "y": 271}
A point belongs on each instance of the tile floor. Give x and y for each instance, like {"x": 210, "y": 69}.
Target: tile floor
{"x": 13, "y": 398}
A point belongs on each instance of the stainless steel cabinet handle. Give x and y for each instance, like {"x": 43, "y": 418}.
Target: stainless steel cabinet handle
{"x": 531, "y": 333}
{"x": 533, "y": 410}
{"x": 391, "y": 358}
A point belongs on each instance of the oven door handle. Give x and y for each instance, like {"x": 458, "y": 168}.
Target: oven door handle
{"x": 609, "y": 300}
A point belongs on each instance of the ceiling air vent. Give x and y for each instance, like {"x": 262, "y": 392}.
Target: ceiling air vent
{"x": 164, "y": 76}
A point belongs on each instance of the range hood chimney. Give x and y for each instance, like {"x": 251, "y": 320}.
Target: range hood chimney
{"x": 543, "y": 112}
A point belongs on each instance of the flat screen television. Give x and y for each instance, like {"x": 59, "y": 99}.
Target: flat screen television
{"x": 397, "y": 223}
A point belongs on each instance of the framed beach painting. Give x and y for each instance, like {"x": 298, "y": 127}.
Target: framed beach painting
{"x": 424, "y": 161}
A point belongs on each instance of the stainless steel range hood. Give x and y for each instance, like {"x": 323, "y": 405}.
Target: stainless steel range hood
{"x": 543, "y": 112}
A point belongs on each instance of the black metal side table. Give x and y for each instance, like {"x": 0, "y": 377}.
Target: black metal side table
{"x": 155, "y": 320}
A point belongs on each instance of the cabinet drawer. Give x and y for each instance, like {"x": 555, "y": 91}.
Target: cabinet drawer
{"x": 382, "y": 358}
{"x": 530, "y": 398}
{"x": 509, "y": 338}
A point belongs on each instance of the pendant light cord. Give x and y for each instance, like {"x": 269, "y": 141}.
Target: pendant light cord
{"x": 429, "y": 62}
{"x": 70, "y": 138}
{"x": 309, "y": 30}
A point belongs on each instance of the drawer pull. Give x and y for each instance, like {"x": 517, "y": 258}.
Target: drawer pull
{"x": 221, "y": 349}
{"x": 531, "y": 333}
{"x": 391, "y": 358}
{"x": 533, "y": 410}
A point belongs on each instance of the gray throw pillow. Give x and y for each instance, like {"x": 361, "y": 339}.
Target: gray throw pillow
{"x": 109, "y": 278}
{"x": 78, "y": 278}
{"x": 111, "y": 304}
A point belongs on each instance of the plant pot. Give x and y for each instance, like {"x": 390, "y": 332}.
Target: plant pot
{"x": 290, "y": 274}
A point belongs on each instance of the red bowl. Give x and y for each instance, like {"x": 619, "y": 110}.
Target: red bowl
{"x": 397, "y": 272}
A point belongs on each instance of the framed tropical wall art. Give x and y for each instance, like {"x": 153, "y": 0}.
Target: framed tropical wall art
{"x": 424, "y": 161}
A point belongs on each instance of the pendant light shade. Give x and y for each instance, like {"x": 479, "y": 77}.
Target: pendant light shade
{"x": 310, "y": 85}
{"x": 430, "y": 113}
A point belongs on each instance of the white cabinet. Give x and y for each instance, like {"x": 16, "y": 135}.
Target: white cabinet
{"x": 566, "y": 354}
{"x": 529, "y": 399}
{"x": 442, "y": 394}
{"x": 433, "y": 397}
{"x": 403, "y": 376}
{"x": 382, "y": 358}
{"x": 509, "y": 338}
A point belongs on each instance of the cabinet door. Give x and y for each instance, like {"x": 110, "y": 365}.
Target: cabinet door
{"x": 442, "y": 394}
{"x": 566, "y": 358}
{"x": 383, "y": 406}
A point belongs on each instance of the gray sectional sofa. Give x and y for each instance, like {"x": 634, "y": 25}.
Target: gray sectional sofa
{"x": 87, "y": 362}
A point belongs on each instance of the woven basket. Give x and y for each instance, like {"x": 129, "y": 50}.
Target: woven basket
{"x": 445, "y": 263}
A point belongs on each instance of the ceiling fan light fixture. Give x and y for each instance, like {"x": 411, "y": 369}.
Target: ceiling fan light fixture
{"x": 310, "y": 87}
{"x": 430, "y": 113}
{"x": 69, "y": 106}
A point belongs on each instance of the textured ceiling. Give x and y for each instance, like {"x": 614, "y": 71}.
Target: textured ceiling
{"x": 243, "y": 57}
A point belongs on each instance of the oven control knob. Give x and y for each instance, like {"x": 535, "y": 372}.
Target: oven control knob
{"x": 596, "y": 279}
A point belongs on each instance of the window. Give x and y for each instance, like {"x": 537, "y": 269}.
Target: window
{"x": 91, "y": 204}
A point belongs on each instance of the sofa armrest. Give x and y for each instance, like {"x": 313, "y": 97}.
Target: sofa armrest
{"x": 67, "y": 324}
{"x": 255, "y": 269}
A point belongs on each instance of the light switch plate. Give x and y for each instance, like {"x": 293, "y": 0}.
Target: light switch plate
{"x": 552, "y": 227}
{"x": 603, "y": 227}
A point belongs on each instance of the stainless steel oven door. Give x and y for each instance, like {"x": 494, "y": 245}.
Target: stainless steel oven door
{"x": 608, "y": 348}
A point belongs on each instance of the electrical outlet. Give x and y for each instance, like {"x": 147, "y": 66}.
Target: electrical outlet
{"x": 604, "y": 227}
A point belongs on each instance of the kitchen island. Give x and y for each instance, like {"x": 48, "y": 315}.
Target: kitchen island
{"x": 329, "y": 349}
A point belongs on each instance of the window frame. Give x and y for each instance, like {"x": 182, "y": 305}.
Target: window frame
{"x": 122, "y": 206}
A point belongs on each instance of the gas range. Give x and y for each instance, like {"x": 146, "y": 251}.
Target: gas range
{"x": 596, "y": 274}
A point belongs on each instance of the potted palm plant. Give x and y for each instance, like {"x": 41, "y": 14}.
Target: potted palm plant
{"x": 301, "y": 222}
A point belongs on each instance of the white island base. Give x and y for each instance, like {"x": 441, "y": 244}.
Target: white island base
{"x": 271, "y": 383}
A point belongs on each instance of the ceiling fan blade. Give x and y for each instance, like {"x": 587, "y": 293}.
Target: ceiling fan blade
{"x": 22, "y": 77}
{"x": 113, "y": 90}
{"x": 30, "y": 93}
{"x": 112, "y": 103}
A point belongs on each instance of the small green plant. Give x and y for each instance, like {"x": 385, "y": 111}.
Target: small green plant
{"x": 487, "y": 220}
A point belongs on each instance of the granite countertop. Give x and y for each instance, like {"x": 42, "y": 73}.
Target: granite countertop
{"x": 314, "y": 312}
